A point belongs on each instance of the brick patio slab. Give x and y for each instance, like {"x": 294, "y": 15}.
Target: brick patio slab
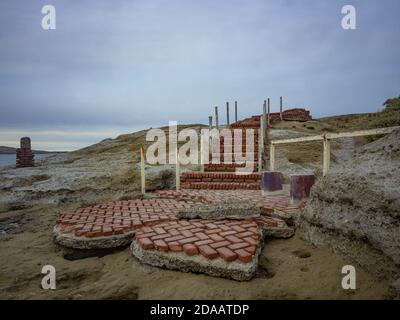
{"x": 113, "y": 224}
{"x": 223, "y": 248}
{"x": 276, "y": 206}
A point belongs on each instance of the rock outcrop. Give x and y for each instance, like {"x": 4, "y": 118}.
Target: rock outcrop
{"x": 356, "y": 207}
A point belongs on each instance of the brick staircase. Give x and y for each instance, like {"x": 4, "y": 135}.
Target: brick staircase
{"x": 223, "y": 175}
{"x": 220, "y": 180}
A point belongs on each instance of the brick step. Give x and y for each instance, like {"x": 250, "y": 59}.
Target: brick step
{"x": 255, "y": 126}
{"x": 221, "y": 185}
{"x": 232, "y": 142}
{"x": 231, "y": 156}
{"x": 252, "y": 122}
{"x": 232, "y": 151}
{"x": 220, "y": 177}
{"x": 227, "y": 167}
{"x": 244, "y": 136}
{"x": 245, "y": 146}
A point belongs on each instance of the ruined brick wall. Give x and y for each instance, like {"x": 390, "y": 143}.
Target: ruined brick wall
{"x": 25, "y": 156}
{"x": 296, "y": 114}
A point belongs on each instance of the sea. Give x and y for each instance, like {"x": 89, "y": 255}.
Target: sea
{"x": 9, "y": 159}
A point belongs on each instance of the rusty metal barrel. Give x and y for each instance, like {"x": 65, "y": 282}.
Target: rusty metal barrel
{"x": 300, "y": 185}
{"x": 271, "y": 181}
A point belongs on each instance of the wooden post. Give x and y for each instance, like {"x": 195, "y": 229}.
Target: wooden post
{"x": 210, "y": 123}
{"x": 269, "y": 121}
{"x": 272, "y": 157}
{"x": 177, "y": 172}
{"x": 201, "y": 152}
{"x": 326, "y": 157}
{"x": 227, "y": 113}
{"x": 261, "y": 137}
{"x": 280, "y": 113}
{"x": 216, "y": 118}
{"x": 142, "y": 170}
{"x": 236, "y": 111}
{"x": 328, "y": 153}
{"x": 260, "y": 146}
{"x": 265, "y": 114}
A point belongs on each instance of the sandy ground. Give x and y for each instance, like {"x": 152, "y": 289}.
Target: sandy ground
{"x": 289, "y": 269}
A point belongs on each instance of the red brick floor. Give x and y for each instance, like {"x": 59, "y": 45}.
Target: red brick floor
{"x": 118, "y": 217}
{"x": 228, "y": 239}
{"x": 156, "y": 227}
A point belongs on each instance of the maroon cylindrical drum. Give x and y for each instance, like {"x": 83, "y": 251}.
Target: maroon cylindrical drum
{"x": 271, "y": 181}
{"x": 300, "y": 185}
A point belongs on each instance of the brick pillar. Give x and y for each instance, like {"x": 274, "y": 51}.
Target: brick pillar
{"x": 25, "y": 156}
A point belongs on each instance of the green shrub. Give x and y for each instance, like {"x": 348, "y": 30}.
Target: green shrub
{"x": 389, "y": 117}
{"x": 392, "y": 104}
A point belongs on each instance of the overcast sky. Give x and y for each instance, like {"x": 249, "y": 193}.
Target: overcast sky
{"x": 117, "y": 66}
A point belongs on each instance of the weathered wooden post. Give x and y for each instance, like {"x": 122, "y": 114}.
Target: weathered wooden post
{"x": 177, "y": 171}
{"x": 326, "y": 157}
{"x": 272, "y": 157}
{"x": 280, "y": 113}
{"x": 201, "y": 152}
{"x": 142, "y": 170}
{"x": 269, "y": 110}
{"x": 265, "y": 114}
{"x": 227, "y": 113}
{"x": 260, "y": 146}
{"x": 216, "y": 118}
{"x": 236, "y": 111}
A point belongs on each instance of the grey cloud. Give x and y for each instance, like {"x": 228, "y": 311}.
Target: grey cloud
{"x": 120, "y": 63}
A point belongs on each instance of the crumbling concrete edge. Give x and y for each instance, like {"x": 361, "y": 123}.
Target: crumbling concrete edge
{"x": 72, "y": 241}
{"x": 278, "y": 232}
{"x": 289, "y": 218}
{"x": 359, "y": 252}
{"x": 197, "y": 263}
